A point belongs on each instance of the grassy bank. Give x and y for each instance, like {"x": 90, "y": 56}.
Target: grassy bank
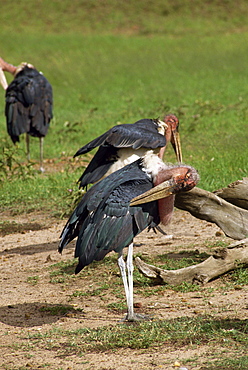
{"x": 102, "y": 74}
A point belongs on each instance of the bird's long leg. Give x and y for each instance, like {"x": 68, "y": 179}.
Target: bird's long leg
{"x": 122, "y": 267}
{"x": 131, "y": 315}
{"x": 41, "y": 154}
{"x": 130, "y": 312}
{"x": 128, "y": 285}
{"x": 27, "y": 145}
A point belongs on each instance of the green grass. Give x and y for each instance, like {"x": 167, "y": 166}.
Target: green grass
{"x": 240, "y": 363}
{"x": 132, "y": 17}
{"x": 33, "y": 280}
{"x": 182, "y": 330}
{"x": 227, "y": 334}
{"x": 167, "y": 57}
{"x": 7, "y": 227}
{"x": 58, "y": 310}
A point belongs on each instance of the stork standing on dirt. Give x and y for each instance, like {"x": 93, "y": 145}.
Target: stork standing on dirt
{"x": 105, "y": 220}
{"x": 123, "y": 144}
{"x": 29, "y": 102}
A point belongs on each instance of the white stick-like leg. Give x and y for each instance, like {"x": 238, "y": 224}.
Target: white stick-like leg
{"x": 128, "y": 284}
{"x": 122, "y": 267}
{"x": 41, "y": 154}
{"x": 27, "y": 145}
{"x": 130, "y": 311}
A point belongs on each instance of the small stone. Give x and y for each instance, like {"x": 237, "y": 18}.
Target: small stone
{"x": 238, "y": 287}
{"x": 196, "y": 312}
{"x": 219, "y": 233}
{"x": 48, "y": 259}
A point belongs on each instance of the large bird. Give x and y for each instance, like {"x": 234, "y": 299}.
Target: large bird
{"x": 105, "y": 221}
{"x": 29, "y": 102}
{"x": 125, "y": 143}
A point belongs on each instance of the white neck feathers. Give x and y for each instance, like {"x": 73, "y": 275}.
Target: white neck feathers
{"x": 152, "y": 164}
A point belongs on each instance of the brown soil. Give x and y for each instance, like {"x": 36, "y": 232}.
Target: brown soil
{"x": 29, "y": 247}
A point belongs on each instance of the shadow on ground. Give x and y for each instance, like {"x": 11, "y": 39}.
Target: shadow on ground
{"x": 36, "y": 314}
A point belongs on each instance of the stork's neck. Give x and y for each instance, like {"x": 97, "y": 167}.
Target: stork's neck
{"x": 165, "y": 205}
{"x": 3, "y": 80}
{"x": 7, "y": 67}
{"x": 157, "y": 170}
{"x": 152, "y": 164}
{"x": 163, "y": 129}
{"x": 168, "y": 134}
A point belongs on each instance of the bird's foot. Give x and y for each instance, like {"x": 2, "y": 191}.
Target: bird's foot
{"x": 136, "y": 317}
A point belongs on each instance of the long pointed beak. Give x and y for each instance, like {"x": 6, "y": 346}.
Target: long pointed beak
{"x": 163, "y": 190}
{"x": 183, "y": 179}
{"x": 176, "y": 143}
{"x": 3, "y": 80}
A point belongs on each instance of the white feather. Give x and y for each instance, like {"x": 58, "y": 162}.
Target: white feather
{"x": 126, "y": 156}
{"x": 153, "y": 164}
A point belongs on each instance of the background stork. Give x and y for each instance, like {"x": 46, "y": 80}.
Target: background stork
{"x": 125, "y": 143}
{"x": 104, "y": 220}
{"x": 29, "y": 102}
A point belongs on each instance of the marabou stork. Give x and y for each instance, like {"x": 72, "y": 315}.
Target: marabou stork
{"x": 29, "y": 101}
{"x": 105, "y": 220}
{"x": 125, "y": 143}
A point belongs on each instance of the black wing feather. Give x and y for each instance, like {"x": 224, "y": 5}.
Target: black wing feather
{"x": 135, "y": 135}
{"x": 143, "y": 133}
{"x": 104, "y": 221}
{"x": 99, "y": 165}
{"x": 29, "y": 101}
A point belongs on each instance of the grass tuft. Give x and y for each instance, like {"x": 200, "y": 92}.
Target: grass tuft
{"x": 177, "y": 332}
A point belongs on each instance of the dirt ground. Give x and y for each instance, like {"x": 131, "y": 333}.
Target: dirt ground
{"x": 28, "y": 252}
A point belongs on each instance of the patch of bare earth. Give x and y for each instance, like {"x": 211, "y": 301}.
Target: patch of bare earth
{"x": 28, "y": 297}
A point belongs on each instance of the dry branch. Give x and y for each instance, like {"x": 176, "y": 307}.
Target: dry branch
{"x": 207, "y": 206}
{"x": 236, "y": 193}
{"x": 227, "y": 208}
{"x": 223, "y": 260}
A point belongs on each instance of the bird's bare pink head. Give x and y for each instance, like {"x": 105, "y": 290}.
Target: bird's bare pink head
{"x": 7, "y": 67}
{"x": 172, "y": 121}
{"x": 170, "y": 180}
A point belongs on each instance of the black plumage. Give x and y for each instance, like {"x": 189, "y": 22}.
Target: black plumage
{"x": 119, "y": 207}
{"x": 29, "y": 102}
{"x": 141, "y": 134}
{"x": 103, "y": 221}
